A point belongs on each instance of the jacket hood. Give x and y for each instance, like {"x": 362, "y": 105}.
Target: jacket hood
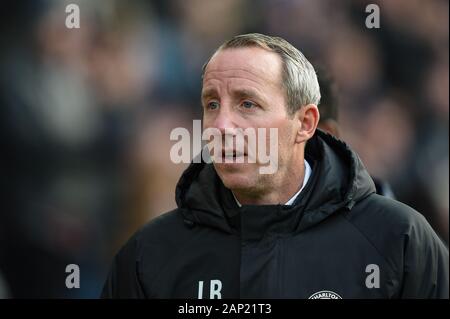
{"x": 339, "y": 180}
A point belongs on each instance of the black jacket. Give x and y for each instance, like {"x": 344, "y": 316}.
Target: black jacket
{"x": 338, "y": 240}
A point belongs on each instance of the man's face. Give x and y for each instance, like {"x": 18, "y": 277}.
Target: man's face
{"x": 242, "y": 89}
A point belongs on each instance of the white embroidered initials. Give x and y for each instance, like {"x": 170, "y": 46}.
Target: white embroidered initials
{"x": 215, "y": 288}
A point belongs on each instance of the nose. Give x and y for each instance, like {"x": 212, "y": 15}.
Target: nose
{"x": 224, "y": 120}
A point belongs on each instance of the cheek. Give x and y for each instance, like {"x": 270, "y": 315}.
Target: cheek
{"x": 206, "y": 121}
{"x": 284, "y": 130}
{"x": 286, "y": 137}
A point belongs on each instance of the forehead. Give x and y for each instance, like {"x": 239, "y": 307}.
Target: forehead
{"x": 251, "y": 63}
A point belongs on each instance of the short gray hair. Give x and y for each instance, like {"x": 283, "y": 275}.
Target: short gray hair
{"x": 298, "y": 75}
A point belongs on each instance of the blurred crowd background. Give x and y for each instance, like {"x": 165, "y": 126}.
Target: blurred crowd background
{"x": 85, "y": 114}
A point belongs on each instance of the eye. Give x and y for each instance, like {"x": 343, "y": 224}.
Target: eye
{"x": 212, "y": 105}
{"x": 248, "y": 104}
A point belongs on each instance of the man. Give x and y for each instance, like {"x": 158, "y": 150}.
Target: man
{"x": 313, "y": 229}
{"x": 329, "y": 122}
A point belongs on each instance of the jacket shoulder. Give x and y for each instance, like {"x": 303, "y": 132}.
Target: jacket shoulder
{"x": 407, "y": 242}
{"x": 146, "y": 251}
{"x": 160, "y": 238}
{"x": 387, "y": 215}
{"x": 162, "y": 228}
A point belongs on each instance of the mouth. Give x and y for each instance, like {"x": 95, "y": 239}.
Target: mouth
{"x": 231, "y": 155}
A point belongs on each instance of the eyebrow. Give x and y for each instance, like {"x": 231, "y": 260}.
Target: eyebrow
{"x": 241, "y": 93}
{"x": 246, "y": 93}
{"x": 209, "y": 93}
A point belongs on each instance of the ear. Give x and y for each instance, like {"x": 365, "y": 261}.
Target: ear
{"x": 308, "y": 118}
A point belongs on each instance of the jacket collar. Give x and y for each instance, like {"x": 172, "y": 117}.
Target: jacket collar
{"x": 339, "y": 179}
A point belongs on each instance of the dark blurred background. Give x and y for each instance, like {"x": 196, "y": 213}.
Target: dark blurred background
{"x": 85, "y": 114}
